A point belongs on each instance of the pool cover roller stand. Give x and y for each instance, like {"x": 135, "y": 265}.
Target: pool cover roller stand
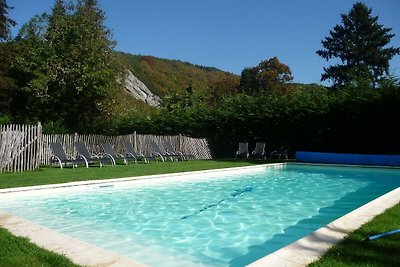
{"x": 350, "y": 159}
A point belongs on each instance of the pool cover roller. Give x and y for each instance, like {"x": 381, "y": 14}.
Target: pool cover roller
{"x": 373, "y": 237}
{"x": 348, "y": 159}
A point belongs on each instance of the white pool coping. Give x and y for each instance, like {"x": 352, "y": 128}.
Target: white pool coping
{"x": 300, "y": 253}
{"x": 78, "y": 251}
{"x": 128, "y": 179}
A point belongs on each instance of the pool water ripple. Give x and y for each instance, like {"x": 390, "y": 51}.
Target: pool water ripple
{"x": 212, "y": 221}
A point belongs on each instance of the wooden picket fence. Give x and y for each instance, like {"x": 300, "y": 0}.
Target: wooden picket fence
{"x": 190, "y": 146}
{"x": 19, "y": 147}
{"x": 24, "y": 147}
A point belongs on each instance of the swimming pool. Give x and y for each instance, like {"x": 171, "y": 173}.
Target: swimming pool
{"x": 214, "y": 219}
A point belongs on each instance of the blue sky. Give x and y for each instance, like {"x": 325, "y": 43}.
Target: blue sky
{"x": 228, "y": 34}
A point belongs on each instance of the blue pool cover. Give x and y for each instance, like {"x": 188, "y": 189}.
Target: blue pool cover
{"x": 352, "y": 159}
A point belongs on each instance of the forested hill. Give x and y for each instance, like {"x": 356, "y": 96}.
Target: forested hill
{"x": 163, "y": 76}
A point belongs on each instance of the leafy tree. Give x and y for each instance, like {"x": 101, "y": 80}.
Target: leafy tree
{"x": 5, "y": 22}
{"x": 8, "y": 85}
{"x": 224, "y": 87}
{"x": 272, "y": 74}
{"x": 360, "y": 43}
{"x": 269, "y": 76}
{"x": 179, "y": 102}
{"x": 248, "y": 80}
{"x": 69, "y": 61}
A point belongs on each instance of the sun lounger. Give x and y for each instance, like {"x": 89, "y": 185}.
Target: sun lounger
{"x": 131, "y": 152}
{"x": 61, "y": 158}
{"x": 157, "y": 152}
{"x": 243, "y": 151}
{"x": 171, "y": 151}
{"x": 110, "y": 152}
{"x": 83, "y": 153}
{"x": 259, "y": 151}
{"x": 281, "y": 153}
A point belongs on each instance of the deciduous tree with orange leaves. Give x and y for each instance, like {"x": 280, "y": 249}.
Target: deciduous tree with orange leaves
{"x": 269, "y": 76}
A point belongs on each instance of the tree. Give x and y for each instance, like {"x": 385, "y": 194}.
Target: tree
{"x": 69, "y": 61}
{"x": 248, "y": 82}
{"x": 7, "y": 83}
{"x": 224, "y": 87}
{"x": 272, "y": 74}
{"x": 269, "y": 76}
{"x": 360, "y": 43}
{"x": 5, "y": 22}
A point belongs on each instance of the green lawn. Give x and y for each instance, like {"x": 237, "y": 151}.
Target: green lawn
{"x": 18, "y": 251}
{"x": 353, "y": 251}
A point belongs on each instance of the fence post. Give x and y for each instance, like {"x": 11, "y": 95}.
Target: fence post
{"x": 180, "y": 143}
{"x": 75, "y": 140}
{"x": 39, "y": 145}
{"x": 134, "y": 140}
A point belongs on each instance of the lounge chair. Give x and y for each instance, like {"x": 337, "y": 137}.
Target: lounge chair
{"x": 243, "y": 151}
{"x": 131, "y": 152}
{"x": 280, "y": 153}
{"x": 171, "y": 151}
{"x": 110, "y": 152}
{"x": 60, "y": 157}
{"x": 157, "y": 152}
{"x": 83, "y": 153}
{"x": 259, "y": 151}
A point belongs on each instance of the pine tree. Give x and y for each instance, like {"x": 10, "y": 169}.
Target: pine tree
{"x": 360, "y": 44}
{"x": 5, "y": 22}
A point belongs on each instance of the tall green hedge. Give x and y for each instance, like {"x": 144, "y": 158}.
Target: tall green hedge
{"x": 347, "y": 121}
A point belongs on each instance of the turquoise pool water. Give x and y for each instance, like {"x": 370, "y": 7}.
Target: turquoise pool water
{"x": 214, "y": 219}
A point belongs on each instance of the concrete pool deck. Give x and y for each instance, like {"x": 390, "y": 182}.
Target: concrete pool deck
{"x": 299, "y": 253}
{"x": 79, "y": 252}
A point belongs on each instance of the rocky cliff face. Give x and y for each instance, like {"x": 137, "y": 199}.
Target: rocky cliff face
{"x": 139, "y": 90}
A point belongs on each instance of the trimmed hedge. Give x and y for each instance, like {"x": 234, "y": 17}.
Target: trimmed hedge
{"x": 346, "y": 121}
